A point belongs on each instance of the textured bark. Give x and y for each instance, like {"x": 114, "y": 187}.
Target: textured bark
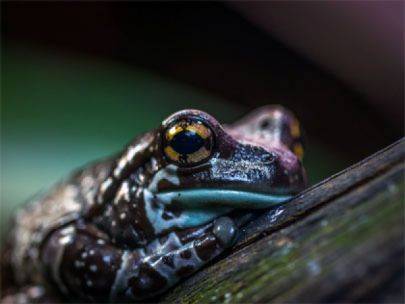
{"x": 341, "y": 240}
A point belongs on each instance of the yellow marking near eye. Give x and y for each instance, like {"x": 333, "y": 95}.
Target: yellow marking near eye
{"x": 198, "y": 155}
{"x": 200, "y": 129}
{"x": 173, "y": 155}
{"x": 172, "y": 132}
{"x": 298, "y": 150}
{"x": 295, "y": 129}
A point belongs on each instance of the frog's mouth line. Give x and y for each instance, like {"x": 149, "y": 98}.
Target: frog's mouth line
{"x": 201, "y": 205}
{"x": 212, "y": 197}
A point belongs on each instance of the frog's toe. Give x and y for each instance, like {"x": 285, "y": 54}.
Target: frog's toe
{"x": 225, "y": 230}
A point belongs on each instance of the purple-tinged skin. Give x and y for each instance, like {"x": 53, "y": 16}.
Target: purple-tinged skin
{"x": 131, "y": 227}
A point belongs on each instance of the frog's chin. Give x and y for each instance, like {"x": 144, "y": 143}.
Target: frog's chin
{"x": 228, "y": 198}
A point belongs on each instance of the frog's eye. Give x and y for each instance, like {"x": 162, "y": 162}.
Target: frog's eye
{"x": 188, "y": 142}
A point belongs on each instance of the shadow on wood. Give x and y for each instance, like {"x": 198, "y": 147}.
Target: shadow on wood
{"x": 341, "y": 240}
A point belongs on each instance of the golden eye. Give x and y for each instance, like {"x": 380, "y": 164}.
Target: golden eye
{"x": 188, "y": 142}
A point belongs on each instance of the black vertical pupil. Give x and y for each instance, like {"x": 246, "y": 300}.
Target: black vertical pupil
{"x": 186, "y": 142}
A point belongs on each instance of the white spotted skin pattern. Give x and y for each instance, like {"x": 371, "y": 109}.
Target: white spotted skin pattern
{"x": 106, "y": 234}
{"x": 53, "y": 211}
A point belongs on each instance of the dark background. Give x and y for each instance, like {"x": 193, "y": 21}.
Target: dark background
{"x": 79, "y": 80}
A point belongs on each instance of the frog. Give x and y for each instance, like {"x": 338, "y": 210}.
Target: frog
{"x": 130, "y": 227}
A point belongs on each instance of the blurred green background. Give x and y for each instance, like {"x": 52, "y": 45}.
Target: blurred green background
{"x": 60, "y": 112}
{"x": 81, "y": 80}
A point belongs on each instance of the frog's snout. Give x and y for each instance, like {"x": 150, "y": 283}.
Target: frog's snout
{"x": 290, "y": 174}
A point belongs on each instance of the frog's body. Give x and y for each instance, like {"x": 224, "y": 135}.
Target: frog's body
{"x": 131, "y": 227}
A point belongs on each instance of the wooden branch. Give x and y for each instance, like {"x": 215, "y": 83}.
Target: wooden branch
{"x": 341, "y": 240}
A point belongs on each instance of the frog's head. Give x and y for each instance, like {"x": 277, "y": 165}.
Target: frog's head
{"x": 243, "y": 161}
{"x": 192, "y": 169}
{"x": 208, "y": 169}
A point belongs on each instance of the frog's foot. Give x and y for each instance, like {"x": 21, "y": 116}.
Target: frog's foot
{"x": 168, "y": 259}
{"x": 87, "y": 266}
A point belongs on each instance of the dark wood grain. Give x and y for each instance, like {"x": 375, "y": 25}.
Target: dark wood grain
{"x": 341, "y": 240}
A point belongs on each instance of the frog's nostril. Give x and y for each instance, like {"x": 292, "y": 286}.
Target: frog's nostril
{"x": 264, "y": 124}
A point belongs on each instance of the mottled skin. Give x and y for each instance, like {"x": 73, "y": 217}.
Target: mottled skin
{"x": 129, "y": 228}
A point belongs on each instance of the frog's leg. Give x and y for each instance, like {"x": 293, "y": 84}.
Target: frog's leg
{"x": 13, "y": 291}
{"x": 85, "y": 266}
{"x": 169, "y": 259}
{"x": 31, "y": 294}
